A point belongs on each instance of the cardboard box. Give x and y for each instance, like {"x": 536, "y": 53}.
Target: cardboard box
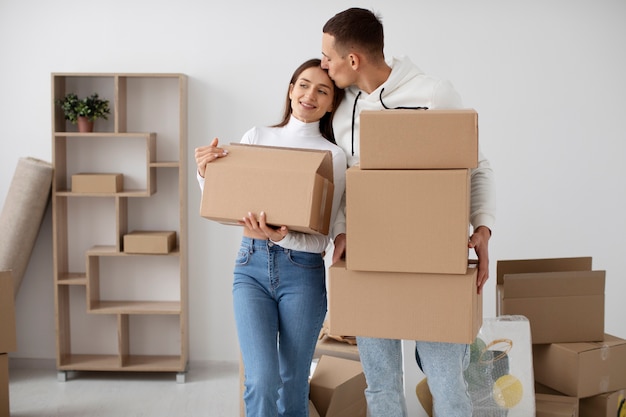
{"x": 337, "y": 388}
{"x": 294, "y": 187}
{"x": 4, "y": 385}
{"x": 562, "y": 298}
{"x": 418, "y": 139}
{"x": 561, "y": 306}
{"x": 582, "y": 369}
{"x": 609, "y": 404}
{"x": 8, "y": 340}
{"x": 150, "y": 242}
{"x": 523, "y": 266}
{"x": 97, "y": 183}
{"x": 547, "y": 405}
{"x": 407, "y": 220}
{"x": 430, "y": 307}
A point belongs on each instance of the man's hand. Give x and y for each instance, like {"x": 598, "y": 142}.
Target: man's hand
{"x": 340, "y": 248}
{"x": 479, "y": 241}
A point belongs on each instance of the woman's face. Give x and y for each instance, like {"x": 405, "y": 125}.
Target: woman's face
{"x": 311, "y": 95}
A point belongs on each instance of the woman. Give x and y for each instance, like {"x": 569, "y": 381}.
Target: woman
{"x": 279, "y": 290}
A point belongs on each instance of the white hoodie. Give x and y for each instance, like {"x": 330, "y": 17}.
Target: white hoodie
{"x": 407, "y": 85}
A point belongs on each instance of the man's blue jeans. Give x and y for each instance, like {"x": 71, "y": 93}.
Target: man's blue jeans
{"x": 279, "y": 299}
{"x": 442, "y": 363}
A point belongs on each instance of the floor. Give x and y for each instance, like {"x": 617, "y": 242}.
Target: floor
{"x": 209, "y": 390}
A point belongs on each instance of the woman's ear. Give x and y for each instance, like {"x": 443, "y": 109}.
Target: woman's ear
{"x": 290, "y": 90}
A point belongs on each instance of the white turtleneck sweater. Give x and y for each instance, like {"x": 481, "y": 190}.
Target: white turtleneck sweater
{"x": 407, "y": 85}
{"x": 297, "y": 134}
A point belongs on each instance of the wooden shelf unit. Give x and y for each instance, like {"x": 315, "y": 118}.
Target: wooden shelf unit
{"x": 145, "y": 138}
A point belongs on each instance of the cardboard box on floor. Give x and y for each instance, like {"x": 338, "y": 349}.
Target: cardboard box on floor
{"x": 548, "y": 405}
{"x": 582, "y": 369}
{"x": 97, "y": 183}
{"x": 430, "y": 307}
{"x": 4, "y": 385}
{"x": 561, "y": 305}
{"x": 609, "y": 404}
{"x": 418, "y": 139}
{"x": 407, "y": 220}
{"x": 294, "y": 187}
{"x": 337, "y": 388}
{"x": 8, "y": 341}
{"x": 149, "y": 242}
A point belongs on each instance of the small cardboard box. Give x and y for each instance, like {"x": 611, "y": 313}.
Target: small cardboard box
{"x": 407, "y": 220}
{"x": 418, "y": 139}
{"x": 548, "y": 405}
{"x": 97, "y": 183}
{"x": 8, "y": 341}
{"x": 337, "y": 388}
{"x": 563, "y": 304}
{"x": 294, "y": 187}
{"x": 4, "y": 385}
{"x": 582, "y": 369}
{"x": 609, "y": 404}
{"x": 150, "y": 242}
{"x": 430, "y": 307}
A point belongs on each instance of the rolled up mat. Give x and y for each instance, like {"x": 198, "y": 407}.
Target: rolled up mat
{"x": 22, "y": 213}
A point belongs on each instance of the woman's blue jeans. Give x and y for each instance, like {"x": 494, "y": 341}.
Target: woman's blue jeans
{"x": 279, "y": 299}
{"x": 442, "y": 363}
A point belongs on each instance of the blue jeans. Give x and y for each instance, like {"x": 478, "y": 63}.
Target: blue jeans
{"x": 442, "y": 363}
{"x": 279, "y": 299}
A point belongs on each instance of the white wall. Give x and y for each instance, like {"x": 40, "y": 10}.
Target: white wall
{"x": 547, "y": 78}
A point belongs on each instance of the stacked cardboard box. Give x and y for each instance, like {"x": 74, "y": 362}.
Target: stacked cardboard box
{"x": 564, "y": 301}
{"x": 406, "y": 274}
{"x": 7, "y": 337}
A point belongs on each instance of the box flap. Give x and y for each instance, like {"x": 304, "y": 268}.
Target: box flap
{"x": 287, "y": 159}
{"x": 541, "y": 265}
{"x": 553, "y": 284}
{"x": 338, "y": 385}
{"x": 581, "y": 347}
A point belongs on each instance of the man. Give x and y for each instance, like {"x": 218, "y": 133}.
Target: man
{"x": 352, "y": 50}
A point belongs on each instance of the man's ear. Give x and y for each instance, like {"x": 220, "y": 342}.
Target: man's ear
{"x": 354, "y": 60}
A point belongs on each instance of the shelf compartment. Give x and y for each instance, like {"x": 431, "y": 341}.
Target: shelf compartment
{"x": 135, "y": 307}
{"x": 133, "y": 363}
{"x": 72, "y": 278}
{"x": 106, "y": 153}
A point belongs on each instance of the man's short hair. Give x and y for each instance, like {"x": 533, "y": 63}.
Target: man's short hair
{"x": 357, "y": 29}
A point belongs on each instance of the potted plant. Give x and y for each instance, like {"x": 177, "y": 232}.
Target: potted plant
{"x": 84, "y": 112}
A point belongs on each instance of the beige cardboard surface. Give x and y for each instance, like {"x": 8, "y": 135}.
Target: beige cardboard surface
{"x": 561, "y": 306}
{"x": 414, "y": 139}
{"x": 97, "y": 183}
{"x": 520, "y": 266}
{"x": 430, "y": 307}
{"x": 407, "y": 220}
{"x": 4, "y": 385}
{"x": 294, "y": 187}
{"x": 582, "y": 369}
{"x": 547, "y": 405}
{"x": 337, "y": 388}
{"x": 609, "y": 404}
{"x": 149, "y": 242}
{"x": 8, "y": 342}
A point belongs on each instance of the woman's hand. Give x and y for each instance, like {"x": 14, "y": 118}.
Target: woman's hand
{"x": 259, "y": 228}
{"x": 206, "y": 154}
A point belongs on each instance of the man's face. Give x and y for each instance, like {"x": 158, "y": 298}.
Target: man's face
{"x": 338, "y": 66}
